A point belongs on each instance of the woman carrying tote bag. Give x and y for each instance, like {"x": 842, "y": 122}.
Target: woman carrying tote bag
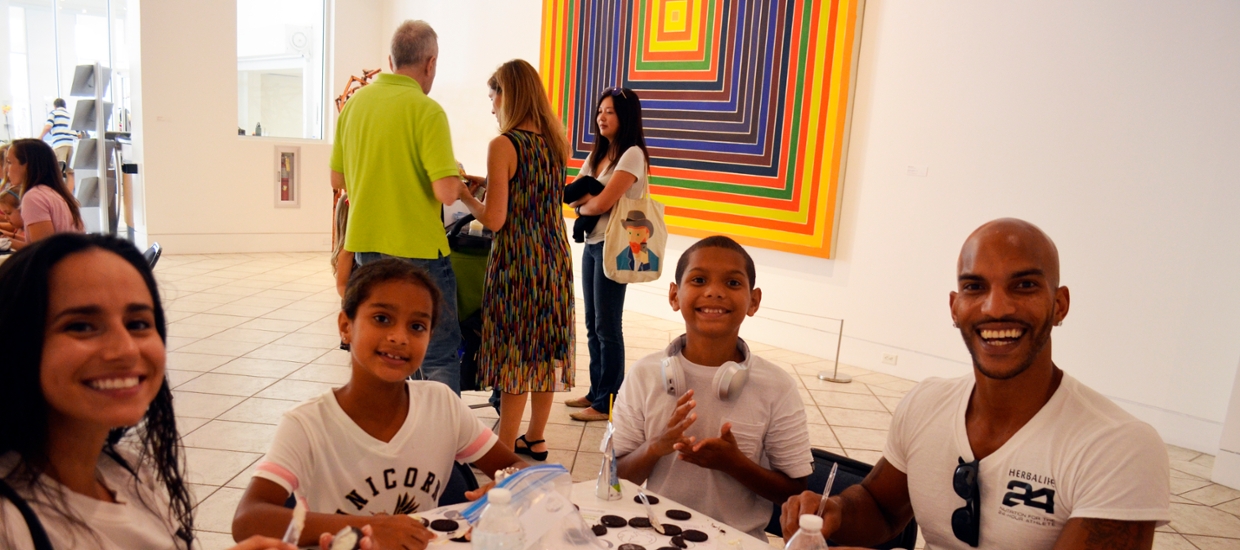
{"x": 619, "y": 161}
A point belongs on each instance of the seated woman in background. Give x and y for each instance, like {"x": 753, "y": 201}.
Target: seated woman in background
{"x": 47, "y": 206}
{"x": 83, "y": 333}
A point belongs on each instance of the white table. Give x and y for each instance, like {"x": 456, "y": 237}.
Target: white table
{"x": 592, "y": 508}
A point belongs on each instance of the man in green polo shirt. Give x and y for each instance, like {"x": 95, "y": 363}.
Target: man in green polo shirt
{"x": 393, "y": 155}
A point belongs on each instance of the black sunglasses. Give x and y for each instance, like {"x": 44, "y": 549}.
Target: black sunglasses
{"x": 966, "y": 523}
{"x": 614, "y": 91}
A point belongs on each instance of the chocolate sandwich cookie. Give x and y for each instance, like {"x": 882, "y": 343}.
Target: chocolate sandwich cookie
{"x": 671, "y": 529}
{"x": 680, "y": 515}
{"x": 640, "y": 522}
{"x": 693, "y": 535}
{"x": 599, "y": 530}
{"x": 653, "y": 499}
{"x": 444, "y": 525}
{"x": 667, "y": 548}
{"x": 679, "y": 542}
{"x": 631, "y": 546}
{"x": 613, "y": 521}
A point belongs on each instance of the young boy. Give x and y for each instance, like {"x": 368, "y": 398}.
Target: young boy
{"x": 705, "y": 422}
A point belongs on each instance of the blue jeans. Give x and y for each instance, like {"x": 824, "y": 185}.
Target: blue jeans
{"x": 443, "y": 361}
{"x": 604, "y": 311}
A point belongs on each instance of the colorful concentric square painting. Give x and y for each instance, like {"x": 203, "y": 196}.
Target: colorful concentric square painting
{"x": 744, "y": 103}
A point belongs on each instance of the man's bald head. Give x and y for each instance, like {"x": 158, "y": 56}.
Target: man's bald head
{"x": 1011, "y": 239}
{"x": 1008, "y": 297}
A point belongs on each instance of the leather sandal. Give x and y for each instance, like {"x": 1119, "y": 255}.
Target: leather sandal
{"x": 577, "y": 403}
{"x": 527, "y": 449}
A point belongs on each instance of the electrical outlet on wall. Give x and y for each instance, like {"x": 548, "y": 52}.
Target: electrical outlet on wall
{"x": 890, "y": 358}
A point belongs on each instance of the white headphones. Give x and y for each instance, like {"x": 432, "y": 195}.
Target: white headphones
{"x": 729, "y": 380}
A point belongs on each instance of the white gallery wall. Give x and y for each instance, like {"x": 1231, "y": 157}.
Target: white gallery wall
{"x": 206, "y": 188}
{"x": 1112, "y": 125}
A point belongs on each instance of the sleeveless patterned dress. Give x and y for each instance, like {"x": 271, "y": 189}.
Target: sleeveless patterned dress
{"x": 527, "y": 305}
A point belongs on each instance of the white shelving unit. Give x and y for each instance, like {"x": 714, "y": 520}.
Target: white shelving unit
{"x": 91, "y": 115}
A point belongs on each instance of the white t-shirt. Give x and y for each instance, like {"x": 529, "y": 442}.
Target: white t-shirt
{"x": 767, "y": 419}
{"x": 321, "y": 453}
{"x": 632, "y": 161}
{"x": 1080, "y": 456}
{"x": 138, "y": 519}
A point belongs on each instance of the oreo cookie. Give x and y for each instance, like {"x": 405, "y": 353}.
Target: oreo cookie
{"x": 631, "y": 546}
{"x": 680, "y": 515}
{"x": 667, "y": 548}
{"x": 671, "y": 529}
{"x": 599, "y": 530}
{"x": 693, "y": 535}
{"x": 679, "y": 542}
{"x": 444, "y": 525}
{"x": 613, "y": 521}
{"x": 653, "y": 499}
{"x": 640, "y": 522}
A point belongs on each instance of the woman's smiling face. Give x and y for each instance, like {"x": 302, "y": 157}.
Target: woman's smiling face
{"x": 103, "y": 359}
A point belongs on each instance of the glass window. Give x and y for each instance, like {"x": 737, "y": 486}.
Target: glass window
{"x": 280, "y": 65}
{"x": 43, "y": 44}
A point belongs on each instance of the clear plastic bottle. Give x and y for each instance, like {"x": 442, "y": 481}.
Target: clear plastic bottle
{"x": 809, "y": 537}
{"x": 499, "y": 528}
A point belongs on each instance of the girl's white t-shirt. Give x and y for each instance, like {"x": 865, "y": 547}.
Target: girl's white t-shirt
{"x": 339, "y": 468}
{"x": 138, "y": 519}
{"x": 632, "y": 161}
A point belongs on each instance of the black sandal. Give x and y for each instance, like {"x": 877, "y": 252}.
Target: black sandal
{"x": 527, "y": 451}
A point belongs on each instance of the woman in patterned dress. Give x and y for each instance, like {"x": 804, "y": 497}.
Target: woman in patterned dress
{"x": 527, "y": 305}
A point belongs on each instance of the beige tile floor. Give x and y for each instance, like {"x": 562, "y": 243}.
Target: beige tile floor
{"x": 250, "y": 335}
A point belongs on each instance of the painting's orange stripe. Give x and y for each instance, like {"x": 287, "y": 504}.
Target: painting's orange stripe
{"x": 754, "y": 241}
{"x": 724, "y": 217}
{"x": 724, "y": 199}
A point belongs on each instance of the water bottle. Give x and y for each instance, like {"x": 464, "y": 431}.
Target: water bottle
{"x": 499, "y": 528}
{"x": 809, "y": 537}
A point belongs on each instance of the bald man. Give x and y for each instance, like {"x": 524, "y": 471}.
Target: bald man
{"x": 1018, "y": 454}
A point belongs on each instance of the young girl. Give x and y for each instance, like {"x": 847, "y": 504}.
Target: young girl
{"x": 620, "y": 162}
{"x": 83, "y": 333}
{"x": 6, "y": 225}
{"x": 10, "y": 207}
{"x": 47, "y": 205}
{"x": 382, "y": 446}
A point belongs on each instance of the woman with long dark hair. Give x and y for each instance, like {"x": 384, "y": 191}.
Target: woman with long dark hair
{"x": 620, "y": 162}
{"x": 47, "y": 205}
{"x": 89, "y": 444}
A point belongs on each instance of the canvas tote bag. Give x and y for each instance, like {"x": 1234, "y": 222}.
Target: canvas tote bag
{"x": 635, "y": 240}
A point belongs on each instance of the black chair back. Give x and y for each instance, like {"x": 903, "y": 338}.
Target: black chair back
{"x": 462, "y": 480}
{"x": 851, "y": 472}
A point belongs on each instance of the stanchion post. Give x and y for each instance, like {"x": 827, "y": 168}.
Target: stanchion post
{"x": 835, "y": 376}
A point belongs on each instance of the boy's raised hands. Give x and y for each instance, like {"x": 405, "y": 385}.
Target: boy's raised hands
{"x": 637, "y": 465}
{"x": 683, "y": 417}
{"x": 715, "y": 453}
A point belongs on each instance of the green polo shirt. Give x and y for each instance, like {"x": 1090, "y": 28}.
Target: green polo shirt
{"x": 392, "y": 141}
